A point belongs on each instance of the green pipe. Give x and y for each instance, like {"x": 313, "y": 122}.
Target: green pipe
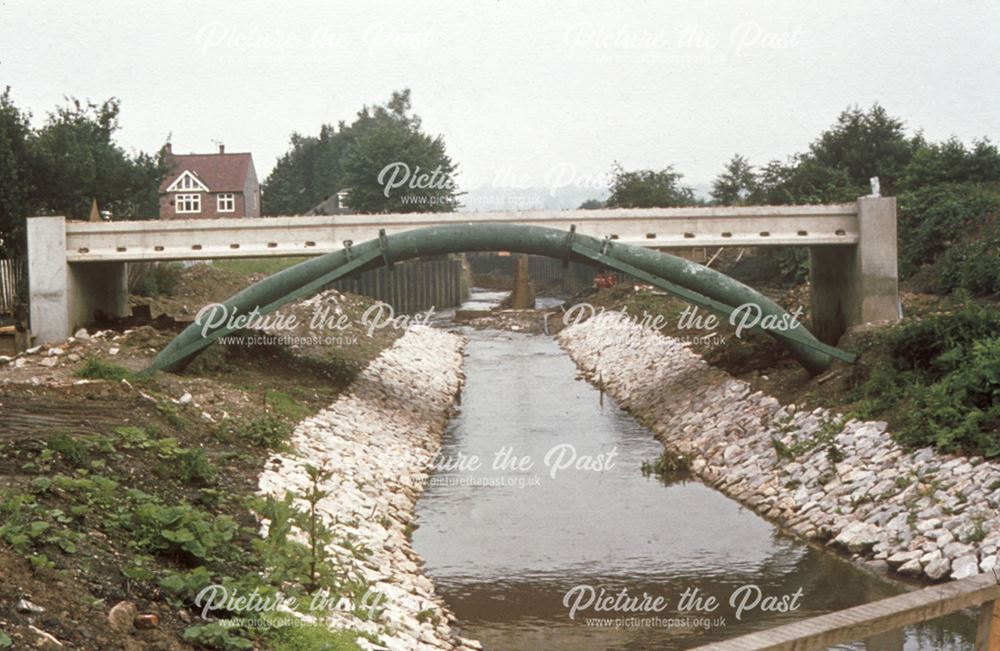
{"x": 310, "y": 276}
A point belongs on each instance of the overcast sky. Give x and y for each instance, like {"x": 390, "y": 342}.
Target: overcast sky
{"x": 524, "y": 93}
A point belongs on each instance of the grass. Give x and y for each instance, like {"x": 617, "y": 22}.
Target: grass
{"x": 98, "y": 369}
{"x": 247, "y": 266}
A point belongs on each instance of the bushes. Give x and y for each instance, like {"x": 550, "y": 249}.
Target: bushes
{"x": 962, "y": 409}
{"x": 933, "y": 218}
{"x": 973, "y": 264}
{"x": 940, "y": 382}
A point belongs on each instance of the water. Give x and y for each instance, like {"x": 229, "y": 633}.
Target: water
{"x": 505, "y": 552}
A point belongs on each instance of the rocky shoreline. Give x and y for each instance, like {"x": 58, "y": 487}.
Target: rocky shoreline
{"x": 379, "y": 440}
{"x": 830, "y": 480}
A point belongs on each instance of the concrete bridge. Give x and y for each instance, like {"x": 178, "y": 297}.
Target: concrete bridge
{"x": 77, "y": 269}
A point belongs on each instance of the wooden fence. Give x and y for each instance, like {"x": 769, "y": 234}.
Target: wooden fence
{"x": 412, "y": 286}
{"x": 13, "y": 283}
{"x": 882, "y": 616}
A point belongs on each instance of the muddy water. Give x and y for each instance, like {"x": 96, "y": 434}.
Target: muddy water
{"x": 558, "y": 505}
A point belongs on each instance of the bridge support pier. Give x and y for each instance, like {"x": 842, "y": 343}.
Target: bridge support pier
{"x": 858, "y": 284}
{"x": 66, "y": 296}
{"x": 522, "y": 297}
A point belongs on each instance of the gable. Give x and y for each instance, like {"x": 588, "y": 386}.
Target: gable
{"x": 217, "y": 172}
{"x": 187, "y": 182}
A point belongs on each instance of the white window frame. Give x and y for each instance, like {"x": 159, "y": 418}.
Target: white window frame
{"x": 227, "y": 197}
{"x": 183, "y": 199}
{"x": 187, "y": 182}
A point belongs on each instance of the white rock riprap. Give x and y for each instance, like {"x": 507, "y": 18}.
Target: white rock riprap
{"x": 848, "y": 483}
{"x": 379, "y": 440}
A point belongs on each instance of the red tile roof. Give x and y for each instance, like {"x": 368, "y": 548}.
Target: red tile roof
{"x": 220, "y": 172}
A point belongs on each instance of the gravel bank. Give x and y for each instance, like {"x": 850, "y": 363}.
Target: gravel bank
{"x": 379, "y": 439}
{"x": 919, "y": 513}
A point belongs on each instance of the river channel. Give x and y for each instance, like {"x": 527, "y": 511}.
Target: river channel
{"x": 540, "y": 504}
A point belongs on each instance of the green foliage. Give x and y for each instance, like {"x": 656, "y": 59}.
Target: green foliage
{"x": 736, "y": 184}
{"x": 865, "y": 144}
{"x": 666, "y": 466}
{"x": 825, "y": 438}
{"x": 285, "y": 405}
{"x": 183, "y": 587}
{"x": 193, "y": 466}
{"x": 312, "y": 638}
{"x": 265, "y": 431}
{"x": 97, "y": 369}
{"x": 62, "y": 166}
{"x": 941, "y": 380}
{"x": 180, "y": 530}
{"x": 75, "y": 451}
{"x": 78, "y": 160}
{"x": 951, "y": 162}
{"x": 648, "y": 189}
{"x": 932, "y": 218}
{"x": 940, "y": 344}
{"x": 17, "y": 193}
{"x": 217, "y": 636}
{"x": 972, "y": 264}
{"x": 352, "y": 157}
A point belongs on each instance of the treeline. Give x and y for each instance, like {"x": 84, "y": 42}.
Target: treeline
{"x": 948, "y": 193}
{"x": 382, "y": 161}
{"x": 61, "y": 166}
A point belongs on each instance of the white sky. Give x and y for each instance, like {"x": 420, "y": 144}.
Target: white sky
{"x": 521, "y": 91}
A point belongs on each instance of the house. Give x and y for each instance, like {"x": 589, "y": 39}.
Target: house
{"x": 203, "y": 186}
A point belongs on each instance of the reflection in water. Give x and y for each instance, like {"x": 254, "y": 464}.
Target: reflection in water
{"x": 559, "y": 501}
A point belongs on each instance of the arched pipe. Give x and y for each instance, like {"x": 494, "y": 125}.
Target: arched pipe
{"x": 692, "y": 282}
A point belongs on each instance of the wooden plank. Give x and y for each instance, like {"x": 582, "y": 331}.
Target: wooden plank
{"x": 988, "y": 635}
{"x": 870, "y": 619}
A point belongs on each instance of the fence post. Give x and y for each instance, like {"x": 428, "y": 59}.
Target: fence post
{"x": 988, "y": 636}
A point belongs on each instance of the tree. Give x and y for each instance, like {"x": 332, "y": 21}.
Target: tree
{"x": 392, "y": 166}
{"x": 648, "y": 189}
{"x": 864, "y": 144}
{"x": 591, "y": 204}
{"x": 952, "y": 162}
{"x": 736, "y": 184}
{"x": 78, "y": 161}
{"x": 16, "y": 162}
{"x": 353, "y": 157}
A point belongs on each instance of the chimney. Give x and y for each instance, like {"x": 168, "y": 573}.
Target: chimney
{"x": 168, "y": 149}
{"x": 222, "y": 148}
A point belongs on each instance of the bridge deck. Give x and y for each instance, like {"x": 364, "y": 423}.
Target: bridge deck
{"x": 313, "y": 235}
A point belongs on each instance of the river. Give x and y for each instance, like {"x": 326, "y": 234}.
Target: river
{"x": 521, "y": 545}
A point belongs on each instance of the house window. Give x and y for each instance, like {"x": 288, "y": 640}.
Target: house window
{"x": 227, "y": 202}
{"x": 187, "y": 203}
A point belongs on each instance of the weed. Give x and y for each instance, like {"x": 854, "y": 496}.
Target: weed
{"x": 98, "y": 369}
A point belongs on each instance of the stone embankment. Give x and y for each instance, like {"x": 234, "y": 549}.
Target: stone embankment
{"x": 379, "y": 441}
{"x": 848, "y": 484}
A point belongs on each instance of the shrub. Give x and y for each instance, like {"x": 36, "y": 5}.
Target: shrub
{"x": 98, "y": 369}
{"x": 931, "y": 219}
{"x": 973, "y": 264}
{"x": 961, "y": 411}
{"x": 193, "y": 466}
{"x": 267, "y": 431}
{"x": 940, "y": 380}
{"x": 940, "y": 343}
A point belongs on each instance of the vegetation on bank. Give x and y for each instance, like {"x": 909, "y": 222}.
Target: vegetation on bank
{"x": 159, "y": 512}
{"x": 937, "y": 380}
